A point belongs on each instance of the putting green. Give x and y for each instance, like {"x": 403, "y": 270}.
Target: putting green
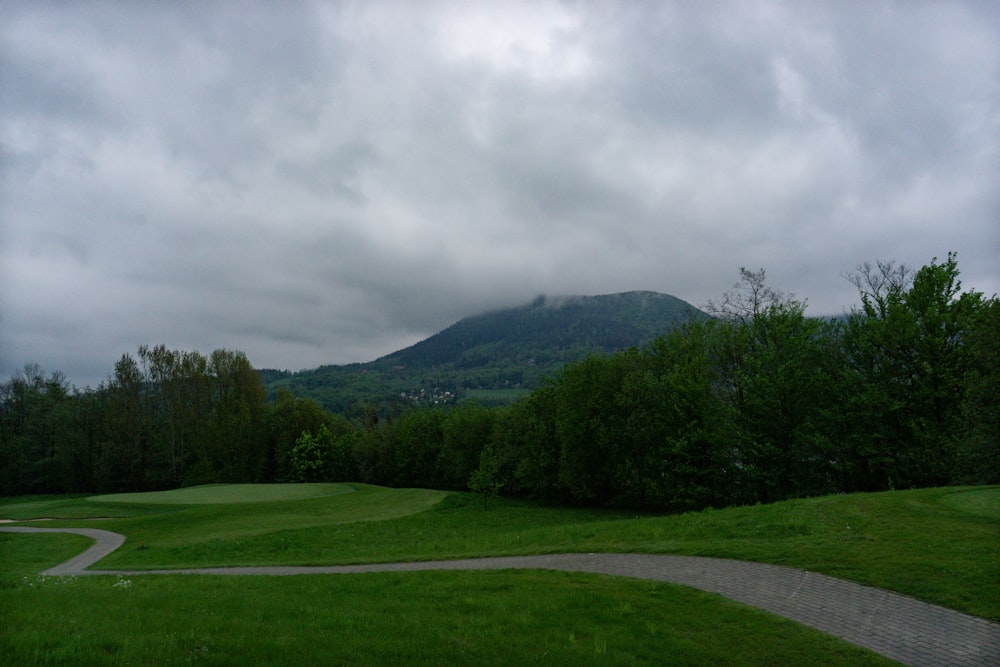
{"x": 981, "y": 502}
{"x": 225, "y": 494}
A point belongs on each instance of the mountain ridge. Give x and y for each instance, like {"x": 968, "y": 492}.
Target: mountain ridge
{"x": 572, "y": 320}
{"x": 509, "y": 348}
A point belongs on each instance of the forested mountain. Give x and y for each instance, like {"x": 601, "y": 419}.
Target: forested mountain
{"x": 495, "y": 356}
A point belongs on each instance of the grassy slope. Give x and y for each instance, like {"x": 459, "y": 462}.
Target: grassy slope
{"x": 939, "y": 544}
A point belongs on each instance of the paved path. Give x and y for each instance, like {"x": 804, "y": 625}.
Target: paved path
{"x": 899, "y": 627}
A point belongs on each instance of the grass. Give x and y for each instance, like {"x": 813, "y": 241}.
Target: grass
{"x": 227, "y": 494}
{"x": 428, "y": 618}
{"x": 940, "y": 545}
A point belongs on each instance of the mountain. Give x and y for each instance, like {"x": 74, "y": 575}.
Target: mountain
{"x": 495, "y": 356}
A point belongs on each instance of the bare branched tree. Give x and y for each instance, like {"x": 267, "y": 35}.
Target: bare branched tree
{"x": 750, "y": 298}
{"x": 878, "y": 282}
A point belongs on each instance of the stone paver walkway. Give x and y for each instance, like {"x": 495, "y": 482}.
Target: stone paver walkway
{"x": 899, "y": 627}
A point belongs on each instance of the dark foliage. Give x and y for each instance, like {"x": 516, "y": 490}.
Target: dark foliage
{"x": 755, "y": 404}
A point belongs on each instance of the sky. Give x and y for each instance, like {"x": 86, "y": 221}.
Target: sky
{"x": 328, "y": 182}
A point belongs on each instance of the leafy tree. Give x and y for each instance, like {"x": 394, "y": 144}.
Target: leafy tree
{"x": 781, "y": 376}
{"x": 485, "y": 479}
{"x": 33, "y": 408}
{"x": 177, "y": 393}
{"x": 75, "y": 422}
{"x": 978, "y": 456}
{"x": 343, "y": 457}
{"x": 286, "y": 418}
{"x": 418, "y": 439}
{"x": 236, "y": 449}
{"x": 311, "y": 456}
{"x": 375, "y": 451}
{"x": 589, "y": 428}
{"x": 123, "y": 451}
{"x": 683, "y": 434}
{"x": 526, "y": 447}
{"x": 909, "y": 357}
{"x": 465, "y": 430}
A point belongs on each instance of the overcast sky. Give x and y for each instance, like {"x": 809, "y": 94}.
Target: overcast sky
{"x": 315, "y": 183}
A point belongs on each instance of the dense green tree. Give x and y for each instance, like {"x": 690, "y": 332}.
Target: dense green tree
{"x": 286, "y": 418}
{"x": 33, "y": 424}
{"x": 485, "y": 479}
{"x": 526, "y": 446}
{"x": 311, "y": 457}
{"x": 343, "y": 457}
{"x": 76, "y": 422}
{"x": 177, "y": 392}
{"x": 235, "y": 449}
{"x": 418, "y": 438}
{"x": 375, "y": 449}
{"x": 466, "y": 429}
{"x": 908, "y": 351}
{"x": 781, "y": 378}
{"x": 978, "y": 455}
{"x": 589, "y": 427}
{"x": 682, "y": 435}
{"x": 123, "y": 449}
{"x": 178, "y": 418}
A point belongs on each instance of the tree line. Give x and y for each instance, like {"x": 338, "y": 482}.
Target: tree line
{"x": 756, "y": 404}
{"x": 762, "y": 403}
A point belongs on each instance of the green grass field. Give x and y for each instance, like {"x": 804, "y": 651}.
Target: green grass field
{"x": 939, "y": 545}
{"x": 228, "y": 494}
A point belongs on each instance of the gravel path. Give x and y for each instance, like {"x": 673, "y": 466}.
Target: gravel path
{"x": 899, "y": 627}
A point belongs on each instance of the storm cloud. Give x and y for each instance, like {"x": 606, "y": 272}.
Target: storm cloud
{"x": 317, "y": 183}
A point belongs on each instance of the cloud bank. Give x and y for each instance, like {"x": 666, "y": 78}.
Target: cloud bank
{"x": 318, "y": 183}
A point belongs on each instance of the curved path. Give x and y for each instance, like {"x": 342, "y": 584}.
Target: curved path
{"x": 899, "y": 627}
